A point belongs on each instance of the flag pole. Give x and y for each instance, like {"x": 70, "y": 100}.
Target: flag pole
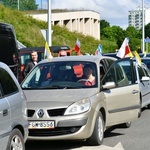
{"x": 143, "y": 28}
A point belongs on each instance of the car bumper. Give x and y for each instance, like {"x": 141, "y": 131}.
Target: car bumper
{"x": 67, "y": 128}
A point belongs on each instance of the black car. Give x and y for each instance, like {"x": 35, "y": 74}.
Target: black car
{"x": 9, "y": 48}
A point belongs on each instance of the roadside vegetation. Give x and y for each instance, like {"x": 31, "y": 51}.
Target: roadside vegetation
{"x": 28, "y": 32}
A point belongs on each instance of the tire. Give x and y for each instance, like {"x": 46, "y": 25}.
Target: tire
{"x": 148, "y": 106}
{"x": 16, "y": 141}
{"x": 126, "y": 125}
{"x": 98, "y": 133}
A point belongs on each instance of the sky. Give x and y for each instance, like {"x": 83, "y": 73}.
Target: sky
{"x": 113, "y": 11}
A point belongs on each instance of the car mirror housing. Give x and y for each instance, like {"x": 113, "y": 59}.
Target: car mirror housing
{"x": 109, "y": 85}
{"x": 144, "y": 78}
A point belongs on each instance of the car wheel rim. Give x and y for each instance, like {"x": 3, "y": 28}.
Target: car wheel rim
{"x": 100, "y": 129}
{"x": 16, "y": 143}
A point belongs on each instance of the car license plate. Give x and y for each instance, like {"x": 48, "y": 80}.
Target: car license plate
{"x": 41, "y": 125}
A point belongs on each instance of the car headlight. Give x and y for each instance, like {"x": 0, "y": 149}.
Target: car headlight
{"x": 78, "y": 107}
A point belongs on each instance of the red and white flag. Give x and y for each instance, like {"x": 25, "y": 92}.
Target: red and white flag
{"x": 124, "y": 50}
{"x": 77, "y": 46}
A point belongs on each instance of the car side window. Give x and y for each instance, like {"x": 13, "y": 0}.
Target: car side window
{"x": 110, "y": 76}
{"x": 141, "y": 72}
{"x": 121, "y": 73}
{"x": 146, "y": 72}
{"x": 7, "y": 83}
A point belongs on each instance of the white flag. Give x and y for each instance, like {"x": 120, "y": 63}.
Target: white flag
{"x": 124, "y": 50}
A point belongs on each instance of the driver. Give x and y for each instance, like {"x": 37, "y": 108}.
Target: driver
{"x": 89, "y": 78}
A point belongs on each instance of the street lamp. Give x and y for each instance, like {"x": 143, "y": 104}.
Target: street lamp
{"x": 143, "y": 28}
{"x": 49, "y": 40}
{"x": 18, "y": 4}
{"x": 41, "y": 4}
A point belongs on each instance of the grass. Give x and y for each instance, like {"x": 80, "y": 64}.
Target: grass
{"x": 28, "y": 32}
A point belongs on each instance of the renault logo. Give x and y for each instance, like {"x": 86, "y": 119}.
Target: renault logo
{"x": 40, "y": 113}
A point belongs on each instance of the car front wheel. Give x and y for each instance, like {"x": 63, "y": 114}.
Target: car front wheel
{"x": 16, "y": 141}
{"x": 127, "y": 125}
{"x": 98, "y": 133}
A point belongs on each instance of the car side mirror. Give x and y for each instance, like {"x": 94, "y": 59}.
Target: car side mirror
{"x": 144, "y": 78}
{"x": 109, "y": 85}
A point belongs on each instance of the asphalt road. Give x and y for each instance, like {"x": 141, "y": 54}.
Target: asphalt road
{"x": 137, "y": 137}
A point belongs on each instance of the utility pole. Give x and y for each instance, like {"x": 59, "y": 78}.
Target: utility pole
{"x": 18, "y": 4}
{"x": 41, "y": 4}
{"x": 49, "y": 40}
{"x": 143, "y": 28}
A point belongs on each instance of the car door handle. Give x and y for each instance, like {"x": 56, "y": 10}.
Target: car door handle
{"x": 5, "y": 112}
{"x": 134, "y": 91}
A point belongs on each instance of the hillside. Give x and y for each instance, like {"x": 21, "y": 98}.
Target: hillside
{"x": 28, "y": 32}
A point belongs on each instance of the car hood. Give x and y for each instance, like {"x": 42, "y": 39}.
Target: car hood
{"x": 57, "y": 98}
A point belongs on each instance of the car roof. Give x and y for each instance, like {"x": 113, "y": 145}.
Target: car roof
{"x": 111, "y": 55}
{"x": 54, "y": 49}
{"x": 147, "y": 58}
{"x": 94, "y": 58}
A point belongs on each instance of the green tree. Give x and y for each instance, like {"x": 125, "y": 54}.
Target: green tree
{"x": 118, "y": 32}
{"x": 134, "y": 44}
{"x": 107, "y": 33}
{"x": 28, "y": 5}
{"x": 147, "y": 30}
{"x": 119, "y": 41}
{"x": 23, "y": 4}
{"x": 131, "y": 32}
{"x": 113, "y": 33}
{"x": 104, "y": 24}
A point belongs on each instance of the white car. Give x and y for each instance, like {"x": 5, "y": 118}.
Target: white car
{"x": 13, "y": 116}
{"x": 143, "y": 76}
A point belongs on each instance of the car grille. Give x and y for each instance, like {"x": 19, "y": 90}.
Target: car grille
{"x": 53, "y": 132}
{"x": 30, "y": 112}
{"x": 51, "y": 112}
{"x": 56, "y": 112}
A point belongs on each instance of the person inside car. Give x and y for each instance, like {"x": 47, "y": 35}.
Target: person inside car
{"x": 88, "y": 79}
{"x": 63, "y": 53}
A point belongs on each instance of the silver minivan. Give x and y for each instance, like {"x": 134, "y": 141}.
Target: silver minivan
{"x": 63, "y": 104}
{"x": 13, "y": 117}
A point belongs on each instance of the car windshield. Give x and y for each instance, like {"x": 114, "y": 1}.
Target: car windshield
{"x": 62, "y": 74}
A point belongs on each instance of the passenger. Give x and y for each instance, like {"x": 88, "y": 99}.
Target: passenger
{"x": 89, "y": 79}
{"x": 63, "y": 53}
{"x": 30, "y": 64}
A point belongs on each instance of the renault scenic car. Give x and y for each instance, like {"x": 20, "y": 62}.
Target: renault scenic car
{"x": 63, "y": 104}
{"x": 13, "y": 118}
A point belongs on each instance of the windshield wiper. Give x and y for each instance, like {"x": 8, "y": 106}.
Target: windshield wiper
{"x": 59, "y": 87}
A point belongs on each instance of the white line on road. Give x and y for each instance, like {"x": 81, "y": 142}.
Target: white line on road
{"x": 102, "y": 147}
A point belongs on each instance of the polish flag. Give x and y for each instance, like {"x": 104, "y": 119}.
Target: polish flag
{"x": 77, "y": 46}
{"x": 124, "y": 50}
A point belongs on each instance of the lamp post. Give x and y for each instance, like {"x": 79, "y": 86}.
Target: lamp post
{"x": 41, "y": 4}
{"x": 143, "y": 28}
{"x": 18, "y": 4}
{"x": 49, "y": 40}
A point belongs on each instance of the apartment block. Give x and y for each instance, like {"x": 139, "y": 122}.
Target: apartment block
{"x": 135, "y": 18}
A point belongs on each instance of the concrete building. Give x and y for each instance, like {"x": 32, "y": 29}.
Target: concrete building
{"x": 85, "y": 22}
{"x": 135, "y": 18}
